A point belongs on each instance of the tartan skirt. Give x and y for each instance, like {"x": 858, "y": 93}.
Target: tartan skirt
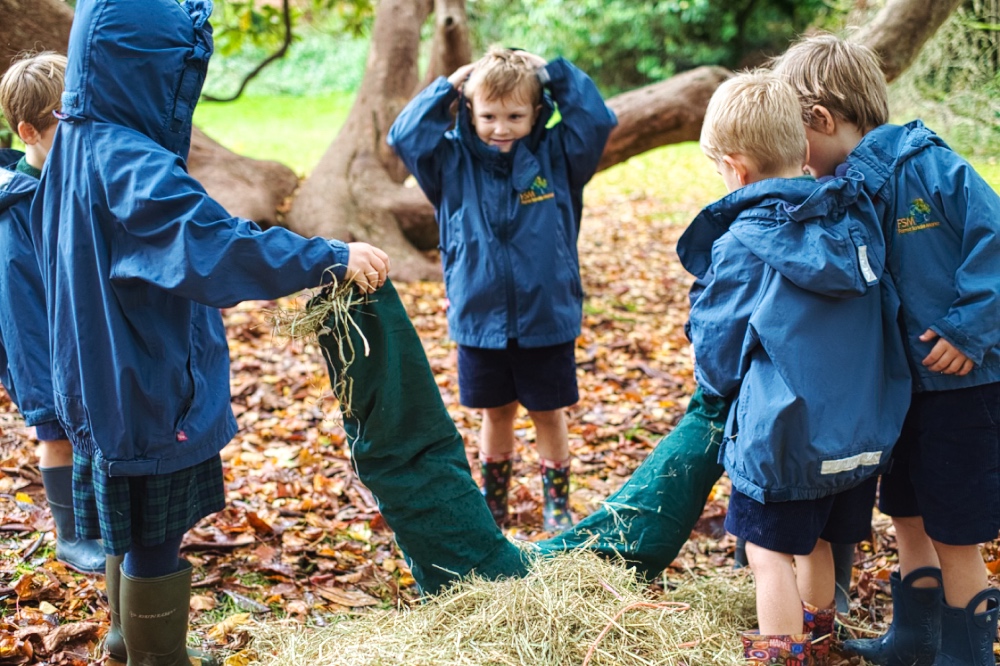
{"x": 147, "y": 510}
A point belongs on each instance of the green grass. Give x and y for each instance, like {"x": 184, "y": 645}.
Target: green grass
{"x": 292, "y": 130}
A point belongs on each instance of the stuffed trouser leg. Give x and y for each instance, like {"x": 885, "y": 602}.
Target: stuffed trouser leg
{"x": 648, "y": 520}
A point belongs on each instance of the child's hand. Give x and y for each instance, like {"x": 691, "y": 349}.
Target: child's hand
{"x": 537, "y": 61}
{"x": 945, "y": 358}
{"x": 367, "y": 266}
{"x": 461, "y": 74}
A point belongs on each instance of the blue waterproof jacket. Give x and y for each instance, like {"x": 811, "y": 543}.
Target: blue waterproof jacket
{"x": 508, "y": 222}
{"x": 136, "y": 257}
{"x": 789, "y": 319}
{"x": 942, "y": 225}
{"x": 24, "y": 328}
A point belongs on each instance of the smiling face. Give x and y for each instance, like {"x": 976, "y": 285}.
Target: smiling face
{"x": 501, "y": 122}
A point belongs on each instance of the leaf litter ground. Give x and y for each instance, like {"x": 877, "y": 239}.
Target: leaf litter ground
{"x": 302, "y": 541}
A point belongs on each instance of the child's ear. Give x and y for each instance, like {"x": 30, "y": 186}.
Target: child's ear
{"x": 822, "y": 120}
{"x": 28, "y": 133}
{"x": 740, "y": 166}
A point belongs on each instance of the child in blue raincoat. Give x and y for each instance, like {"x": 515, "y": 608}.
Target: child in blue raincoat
{"x": 29, "y": 91}
{"x": 788, "y": 317}
{"x": 942, "y": 225}
{"x": 137, "y": 260}
{"x": 507, "y": 187}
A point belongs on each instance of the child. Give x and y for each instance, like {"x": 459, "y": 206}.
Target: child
{"x": 508, "y": 192}
{"x": 941, "y": 220}
{"x": 136, "y": 260}
{"x": 29, "y": 92}
{"x": 783, "y": 317}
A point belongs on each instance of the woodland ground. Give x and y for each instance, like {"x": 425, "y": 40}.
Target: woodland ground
{"x": 301, "y": 537}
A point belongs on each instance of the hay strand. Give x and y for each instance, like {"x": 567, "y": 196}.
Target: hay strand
{"x": 328, "y": 313}
{"x": 574, "y": 608}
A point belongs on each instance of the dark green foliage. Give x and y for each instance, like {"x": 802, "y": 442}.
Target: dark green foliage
{"x": 624, "y": 44}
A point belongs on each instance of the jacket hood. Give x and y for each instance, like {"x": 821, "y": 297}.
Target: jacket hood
{"x": 822, "y": 237}
{"x": 14, "y": 185}
{"x": 521, "y": 159}
{"x": 139, "y": 64}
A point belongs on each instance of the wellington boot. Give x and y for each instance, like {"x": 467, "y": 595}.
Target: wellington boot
{"x": 843, "y": 567}
{"x": 777, "y": 650}
{"x": 555, "y": 486}
{"x": 914, "y": 636}
{"x": 114, "y": 643}
{"x": 496, "y": 474}
{"x": 154, "y": 615}
{"x": 84, "y": 555}
{"x": 818, "y": 623}
{"x": 967, "y": 636}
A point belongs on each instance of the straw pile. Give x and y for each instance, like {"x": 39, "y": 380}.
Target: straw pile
{"x": 574, "y": 608}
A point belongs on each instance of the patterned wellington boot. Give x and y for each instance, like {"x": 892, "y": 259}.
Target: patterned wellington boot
{"x": 496, "y": 472}
{"x": 555, "y": 486}
{"x": 818, "y": 623}
{"x": 777, "y": 650}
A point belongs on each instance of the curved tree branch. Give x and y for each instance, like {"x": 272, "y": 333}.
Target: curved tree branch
{"x": 286, "y": 12}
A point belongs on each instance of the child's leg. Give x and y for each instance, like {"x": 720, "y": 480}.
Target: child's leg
{"x": 552, "y": 440}
{"x": 55, "y": 453}
{"x": 779, "y": 608}
{"x": 551, "y": 434}
{"x": 963, "y": 572}
{"x": 55, "y": 457}
{"x": 814, "y": 576}
{"x": 496, "y": 436}
{"x": 916, "y": 550}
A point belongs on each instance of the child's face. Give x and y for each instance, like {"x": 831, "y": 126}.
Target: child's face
{"x": 501, "y": 122}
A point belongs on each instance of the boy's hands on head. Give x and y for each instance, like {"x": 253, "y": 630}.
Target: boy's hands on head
{"x": 367, "y": 266}
{"x": 533, "y": 59}
{"x": 944, "y": 357}
{"x": 458, "y": 78}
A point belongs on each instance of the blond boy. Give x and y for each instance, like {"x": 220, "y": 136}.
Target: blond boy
{"x": 941, "y": 224}
{"x": 29, "y": 92}
{"x": 787, "y": 318}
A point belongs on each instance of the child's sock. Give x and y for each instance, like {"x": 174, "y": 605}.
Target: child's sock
{"x": 153, "y": 561}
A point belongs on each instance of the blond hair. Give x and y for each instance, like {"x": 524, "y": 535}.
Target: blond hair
{"x": 502, "y": 74}
{"x": 845, "y": 77}
{"x": 32, "y": 88}
{"x": 755, "y": 114}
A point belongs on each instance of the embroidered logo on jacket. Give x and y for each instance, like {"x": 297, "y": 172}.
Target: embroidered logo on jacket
{"x": 539, "y": 192}
{"x": 918, "y": 219}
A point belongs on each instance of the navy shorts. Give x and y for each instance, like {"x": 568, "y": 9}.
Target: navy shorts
{"x": 50, "y": 431}
{"x": 540, "y": 378}
{"x": 946, "y": 465}
{"x": 794, "y": 527}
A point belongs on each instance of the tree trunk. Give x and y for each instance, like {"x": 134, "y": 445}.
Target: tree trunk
{"x": 249, "y": 188}
{"x": 356, "y": 191}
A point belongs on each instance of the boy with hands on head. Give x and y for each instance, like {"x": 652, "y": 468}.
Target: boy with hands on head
{"x": 942, "y": 226}
{"x": 508, "y": 193}
{"x": 789, "y": 317}
{"x": 29, "y": 92}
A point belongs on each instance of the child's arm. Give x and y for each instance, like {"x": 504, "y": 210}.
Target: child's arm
{"x": 417, "y": 135}
{"x": 720, "y": 316}
{"x": 172, "y": 234}
{"x": 971, "y": 326}
{"x": 586, "y": 120}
